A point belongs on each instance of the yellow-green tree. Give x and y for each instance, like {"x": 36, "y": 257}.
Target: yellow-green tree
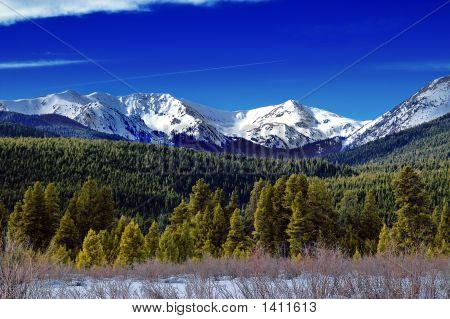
{"x": 414, "y": 227}
{"x": 131, "y": 247}
{"x": 92, "y": 253}
{"x": 371, "y": 224}
{"x": 176, "y": 244}
{"x": 30, "y": 221}
{"x": 384, "y": 241}
{"x": 65, "y": 239}
{"x": 263, "y": 233}
{"x": 237, "y": 243}
{"x": 218, "y": 232}
{"x": 152, "y": 240}
{"x": 300, "y": 229}
{"x": 52, "y": 206}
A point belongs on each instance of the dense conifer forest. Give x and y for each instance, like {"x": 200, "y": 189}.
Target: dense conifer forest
{"x": 148, "y": 179}
{"x": 99, "y": 202}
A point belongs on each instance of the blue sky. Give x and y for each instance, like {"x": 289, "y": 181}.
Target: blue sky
{"x": 227, "y": 54}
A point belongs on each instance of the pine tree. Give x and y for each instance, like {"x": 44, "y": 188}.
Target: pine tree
{"x": 443, "y": 231}
{"x": 35, "y": 217}
{"x": 371, "y": 224}
{"x": 66, "y": 235}
{"x": 85, "y": 206}
{"x": 350, "y": 223}
{"x": 300, "y": 229}
{"x": 200, "y": 197}
{"x": 219, "y": 197}
{"x": 218, "y": 232}
{"x": 384, "y": 241}
{"x": 104, "y": 211}
{"x": 232, "y": 205}
{"x": 15, "y": 229}
{"x": 202, "y": 231}
{"x": 237, "y": 243}
{"x": 52, "y": 206}
{"x": 176, "y": 244}
{"x": 72, "y": 212}
{"x": 30, "y": 220}
{"x": 263, "y": 233}
{"x": 295, "y": 184}
{"x": 324, "y": 217}
{"x": 180, "y": 214}
{"x": 249, "y": 214}
{"x": 92, "y": 253}
{"x": 131, "y": 248}
{"x": 111, "y": 239}
{"x": 281, "y": 217}
{"x": 414, "y": 226}
{"x": 152, "y": 241}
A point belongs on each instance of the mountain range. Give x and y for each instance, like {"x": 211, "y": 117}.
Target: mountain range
{"x": 289, "y": 127}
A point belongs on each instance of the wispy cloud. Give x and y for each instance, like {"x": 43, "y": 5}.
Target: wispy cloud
{"x": 415, "y": 66}
{"x": 37, "y": 64}
{"x": 12, "y": 11}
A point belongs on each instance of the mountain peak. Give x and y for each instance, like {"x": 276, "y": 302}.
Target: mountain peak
{"x": 431, "y": 102}
{"x": 287, "y": 125}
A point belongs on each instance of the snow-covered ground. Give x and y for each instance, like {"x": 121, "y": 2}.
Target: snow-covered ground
{"x": 195, "y": 287}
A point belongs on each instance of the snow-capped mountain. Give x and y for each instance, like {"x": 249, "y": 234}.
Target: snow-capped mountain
{"x": 429, "y": 103}
{"x": 156, "y": 118}
{"x": 163, "y": 118}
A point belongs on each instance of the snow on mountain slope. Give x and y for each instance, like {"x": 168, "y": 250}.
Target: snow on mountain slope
{"x": 291, "y": 124}
{"x": 140, "y": 116}
{"x": 429, "y": 103}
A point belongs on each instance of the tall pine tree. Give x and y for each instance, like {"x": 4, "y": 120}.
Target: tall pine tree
{"x": 92, "y": 253}
{"x": 349, "y": 222}
{"x": 263, "y": 233}
{"x": 52, "y": 206}
{"x": 300, "y": 229}
{"x": 324, "y": 216}
{"x": 218, "y": 232}
{"x": 131, "y": 247}
{"x": 371, "y": 224}
{"x": 414, "y": 227}
{"x": 65, "y": 236}
{"x": 237, "y": 243}
{"x": 152, "y": 241}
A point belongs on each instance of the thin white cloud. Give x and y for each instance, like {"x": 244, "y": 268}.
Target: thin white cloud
{"x": 37, "y": 64}
{"x": 12, "y": 11}
{"x": 415, "y": 66}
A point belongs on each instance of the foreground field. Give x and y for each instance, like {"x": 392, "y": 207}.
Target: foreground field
{"x": 328, "y": 274}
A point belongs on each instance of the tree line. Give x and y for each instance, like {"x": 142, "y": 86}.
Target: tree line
{"x": 149, "y": 179}
{"x": 286, "y": 218}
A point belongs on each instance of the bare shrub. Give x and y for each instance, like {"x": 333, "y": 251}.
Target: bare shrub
{"x": 21, "y": 272}
{"x": 322, "y": 274}
{"x": 158, "y": 290}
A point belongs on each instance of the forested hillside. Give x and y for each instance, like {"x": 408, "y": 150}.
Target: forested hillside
{"x": 292, "y": 216}
{"x": 424, "y": 145}
{"x": 66, "y": 196}
{"x": 148, "y": 179}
